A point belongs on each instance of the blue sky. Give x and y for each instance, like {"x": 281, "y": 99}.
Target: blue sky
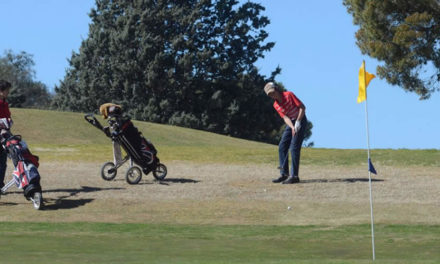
{"x": 315, "y": 47}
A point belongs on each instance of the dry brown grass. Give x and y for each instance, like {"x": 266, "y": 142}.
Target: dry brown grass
{"x": 231, "y": 194}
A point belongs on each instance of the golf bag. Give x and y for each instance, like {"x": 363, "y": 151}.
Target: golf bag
{"x": 25, "y": 174}
{"x": 139, "y": 150}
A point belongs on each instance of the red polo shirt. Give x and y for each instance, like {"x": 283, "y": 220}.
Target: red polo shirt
{"x": 289, "y": 106}
{"x": 4, "y": 109}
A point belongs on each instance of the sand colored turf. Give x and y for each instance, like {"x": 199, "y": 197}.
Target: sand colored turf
{"x": 236, "y": 194}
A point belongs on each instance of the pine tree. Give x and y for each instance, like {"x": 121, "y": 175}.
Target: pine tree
{"x": 405, "y": 35}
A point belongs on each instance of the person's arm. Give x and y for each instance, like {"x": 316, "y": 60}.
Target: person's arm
{"x": 8, "y": 112}
{"x": 301, "y": 113}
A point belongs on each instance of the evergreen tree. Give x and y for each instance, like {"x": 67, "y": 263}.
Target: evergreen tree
{"x": 405, "y": 35}
{"x": 187, "y": 63}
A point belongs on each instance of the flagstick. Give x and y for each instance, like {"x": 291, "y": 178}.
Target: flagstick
{"x": 369, "y": 173}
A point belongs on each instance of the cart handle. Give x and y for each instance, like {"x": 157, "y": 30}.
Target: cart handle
{"x": 92, "y": 120}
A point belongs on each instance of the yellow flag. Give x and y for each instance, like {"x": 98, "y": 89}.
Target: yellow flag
{"x": 364, "y": 79}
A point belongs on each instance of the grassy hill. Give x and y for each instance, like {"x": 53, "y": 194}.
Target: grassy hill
{"x": 57, "y": 135}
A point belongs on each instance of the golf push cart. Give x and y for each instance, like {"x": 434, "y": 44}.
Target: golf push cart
{"x": 25, "y": 174}
{"x": 139, "y": 150}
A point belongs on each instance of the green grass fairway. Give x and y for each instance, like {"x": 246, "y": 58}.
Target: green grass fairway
{"x": 144, "y": 243}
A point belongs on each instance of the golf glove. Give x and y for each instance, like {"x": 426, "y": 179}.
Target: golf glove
{"x": 297, "y": 126}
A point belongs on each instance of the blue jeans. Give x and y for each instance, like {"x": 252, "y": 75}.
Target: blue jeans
{"x": 294, "y": 145}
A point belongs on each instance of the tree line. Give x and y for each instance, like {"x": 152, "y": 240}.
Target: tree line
{"x": 18, "y": 69}
{"x": 184, "y": 63}
{"x": 192, "y": 63}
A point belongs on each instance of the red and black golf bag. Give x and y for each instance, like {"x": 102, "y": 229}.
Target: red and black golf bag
{"x": 140, "y": 150}
{"x": 25, "y": 172}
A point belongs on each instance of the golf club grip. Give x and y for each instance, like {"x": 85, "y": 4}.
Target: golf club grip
{"x": 92, "y": 120}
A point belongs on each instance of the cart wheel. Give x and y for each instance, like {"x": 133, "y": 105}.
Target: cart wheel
{"x": 108, "y": 171}
{"x": 160, "y": 172}
{"x": 37, "y": 200}
{"x": 133, "y": 175}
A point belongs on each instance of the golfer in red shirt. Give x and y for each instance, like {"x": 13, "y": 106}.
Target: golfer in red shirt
{"x": 292, "y": 111}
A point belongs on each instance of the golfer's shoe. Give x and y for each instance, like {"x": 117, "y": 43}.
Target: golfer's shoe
{"x": 291, "y": 179}
{"x": 280, "y": 179}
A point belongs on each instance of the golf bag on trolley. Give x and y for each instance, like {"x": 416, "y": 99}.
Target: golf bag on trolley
{"x": 140, "y": 151}
{"x": 25, "y": 174}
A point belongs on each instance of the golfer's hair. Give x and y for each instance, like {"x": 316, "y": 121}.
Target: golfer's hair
{"x": 4, "y": 85}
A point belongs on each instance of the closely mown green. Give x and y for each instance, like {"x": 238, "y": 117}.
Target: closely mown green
{"x": 148, "y": 243}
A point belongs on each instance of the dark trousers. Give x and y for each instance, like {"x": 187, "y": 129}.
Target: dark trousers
{"x": 3, "y": 158}
{"x": 293, "y": 144}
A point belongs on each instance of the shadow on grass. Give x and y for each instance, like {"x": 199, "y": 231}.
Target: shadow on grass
{"x": 63, "y": 202}
{"x": 176, "y": 180}
{"x": 167, "y": 181}
{"x": 347, "y": 180}
{"x": 7, "y": 203}
{"x": 57, "y": 204}
{"x": 83, "y": 189}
